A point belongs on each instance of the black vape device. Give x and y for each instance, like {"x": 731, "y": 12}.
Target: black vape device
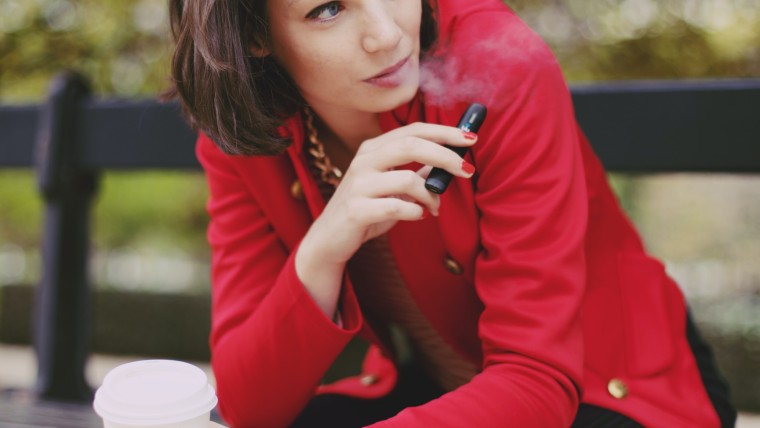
{"x": 473, "y": 117}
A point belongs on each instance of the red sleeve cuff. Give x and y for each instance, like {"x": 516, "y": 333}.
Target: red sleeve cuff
{"x": 348, "y": 305}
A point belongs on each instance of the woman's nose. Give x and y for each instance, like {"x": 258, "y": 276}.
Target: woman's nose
{"x": 381, "y": 30}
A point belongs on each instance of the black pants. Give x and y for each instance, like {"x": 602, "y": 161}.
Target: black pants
{"x": 339, "y": 411}
{"x": 715, "y": 385}
{"x": 414, "y": 388}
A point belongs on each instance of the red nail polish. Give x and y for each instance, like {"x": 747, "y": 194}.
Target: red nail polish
{"x": 425, "y": 214}
{"x": 467, "y": 167}
{"x": 470, "y": 135}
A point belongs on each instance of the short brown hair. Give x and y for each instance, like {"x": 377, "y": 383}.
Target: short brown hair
{"x": 239, "y": 100}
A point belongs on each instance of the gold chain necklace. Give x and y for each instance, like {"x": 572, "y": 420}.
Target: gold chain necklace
{"x": 328, "y": 172}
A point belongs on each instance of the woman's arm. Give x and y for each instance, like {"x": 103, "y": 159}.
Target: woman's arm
{"x": 272, "y": 332}
{"x": 270, "y": 343}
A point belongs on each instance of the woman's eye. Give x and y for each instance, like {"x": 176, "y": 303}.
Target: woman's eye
{"x": 325, "y": 12}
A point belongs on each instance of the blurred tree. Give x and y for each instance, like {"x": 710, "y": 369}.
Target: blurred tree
{"x": 649, "y": 39}
{"x": 122, "y": 45}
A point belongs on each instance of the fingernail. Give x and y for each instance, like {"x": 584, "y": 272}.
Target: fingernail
{"x": 468, "y": 168}
{"x": 471, "y": 136}
{"x": 425, "y": 214}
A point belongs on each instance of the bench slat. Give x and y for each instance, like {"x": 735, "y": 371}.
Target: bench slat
{"x": 661, "y": 127}
{"x": 668, "y": 126}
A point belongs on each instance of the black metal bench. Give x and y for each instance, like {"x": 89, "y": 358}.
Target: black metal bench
{"x": 648, "y": 127}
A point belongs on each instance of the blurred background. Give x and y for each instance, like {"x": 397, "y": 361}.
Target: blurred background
{"x": 149, "y": 227}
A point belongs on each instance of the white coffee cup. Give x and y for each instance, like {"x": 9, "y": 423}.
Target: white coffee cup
{"x": 155, "y": 394}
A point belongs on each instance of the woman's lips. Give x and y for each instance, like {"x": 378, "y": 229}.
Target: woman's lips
{"x": 392, "y": 76}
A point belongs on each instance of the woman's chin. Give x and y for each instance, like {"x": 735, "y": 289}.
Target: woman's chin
{"x": 401, "y": 95}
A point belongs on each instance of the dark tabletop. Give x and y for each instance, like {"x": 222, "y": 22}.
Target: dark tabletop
{"x": 19, "y": 409}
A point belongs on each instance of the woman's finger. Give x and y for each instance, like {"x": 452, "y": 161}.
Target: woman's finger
{"x": 370, "y": 211}
{"x": 402, "y": 183}
{"x": 424, "y": 171}
{"x": 441, "y": 134}
{"x": 404, "y": 150}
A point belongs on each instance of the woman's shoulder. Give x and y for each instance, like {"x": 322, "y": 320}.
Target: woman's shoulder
{"x": 449, "y": 10}
{"x": 489, "y": 24}
{"x": 207, "y": 149}
{"x": 485, "y": 51}
{"x": 486, "y": 54}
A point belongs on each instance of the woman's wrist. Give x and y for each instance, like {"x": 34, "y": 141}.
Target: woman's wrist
{"x": 321, "y": 278}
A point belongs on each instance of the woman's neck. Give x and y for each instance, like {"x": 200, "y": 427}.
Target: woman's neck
{"x": 346, "y": 128}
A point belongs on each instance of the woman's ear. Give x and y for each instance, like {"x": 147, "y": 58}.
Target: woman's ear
{"x": 258, "y": 48}
{"x": 259, "y": 51}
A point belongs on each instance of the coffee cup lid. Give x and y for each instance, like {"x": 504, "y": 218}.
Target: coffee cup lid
{"x": 154, "y": 392}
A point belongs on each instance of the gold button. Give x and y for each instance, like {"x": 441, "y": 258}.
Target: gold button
{"x": 452, "y": 266}
{"x": 617, "y": 388}
{"x": 369, "y": 379}
{"x": 296, "y": 190}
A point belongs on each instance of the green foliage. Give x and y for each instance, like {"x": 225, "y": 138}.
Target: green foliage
{"x": 649, "y": 39}
{"x": 122, "y": 45}
{"x": 131, "y": 208}
{"x": 156, "y": 209}
{"x": 20, "y": 208}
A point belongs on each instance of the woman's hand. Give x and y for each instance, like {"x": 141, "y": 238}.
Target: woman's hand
{"x": 372, "y": 197}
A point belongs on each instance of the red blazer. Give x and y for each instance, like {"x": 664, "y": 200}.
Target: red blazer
{"x": 556, "y": 299}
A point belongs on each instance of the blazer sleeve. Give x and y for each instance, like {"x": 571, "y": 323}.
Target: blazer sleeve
{"x": 270, "y": 342}
{"x": 530, "y": 193}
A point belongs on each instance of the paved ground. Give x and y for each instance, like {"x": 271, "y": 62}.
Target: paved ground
{"x": 17, "y": 372}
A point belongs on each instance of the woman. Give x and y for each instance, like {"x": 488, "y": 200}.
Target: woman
{"x": 520, "y": 297}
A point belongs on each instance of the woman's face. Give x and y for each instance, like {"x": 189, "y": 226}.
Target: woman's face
{"x": 358, "y": 55}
